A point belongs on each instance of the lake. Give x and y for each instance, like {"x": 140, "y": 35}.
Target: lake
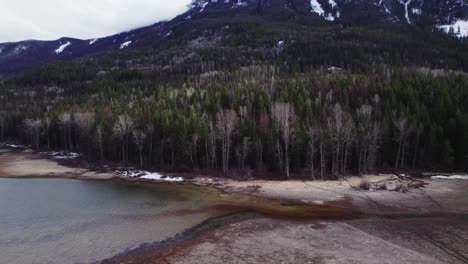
{"x": 73, "y": 221}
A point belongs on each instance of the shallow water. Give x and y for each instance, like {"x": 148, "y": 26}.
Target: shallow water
{"x": 72, "y": 221}
{"x": 4, "y": 150}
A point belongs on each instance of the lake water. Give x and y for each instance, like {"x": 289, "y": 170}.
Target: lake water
{"x": 73, "y": 221}
{"x": 4, "y": 150}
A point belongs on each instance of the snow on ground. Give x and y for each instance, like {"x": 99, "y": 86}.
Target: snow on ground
{"x": 148, "y": 175}
{"x": 459, "y": 28}
{"x": 13, "y": 146}
{"x": 316, "y": 7}
{"x": 159, "y": 177}
{"x": 125, "y": 44}
{"x": 330, "y": 17}
{"x": 60, "y": 155}
{"x": 62, "y": 47}
{"x": 452, "y": 177}
{"x": 91, "y": 42}
{"x": 203, "y": 6}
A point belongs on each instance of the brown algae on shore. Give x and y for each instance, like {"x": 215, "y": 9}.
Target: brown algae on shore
{"x": 217, "y": 203}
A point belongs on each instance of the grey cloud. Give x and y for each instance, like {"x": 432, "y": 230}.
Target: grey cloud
{"x": 85, "y": 19}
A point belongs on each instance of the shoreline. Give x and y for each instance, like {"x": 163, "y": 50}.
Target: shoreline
{"x": 441, "y": 201}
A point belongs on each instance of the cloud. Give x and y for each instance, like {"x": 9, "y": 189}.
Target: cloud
{"x": 85, "y": 19}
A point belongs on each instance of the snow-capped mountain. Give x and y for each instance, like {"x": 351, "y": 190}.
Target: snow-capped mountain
{"x": 437, "y": 12}
{"x": 450, "y": 16}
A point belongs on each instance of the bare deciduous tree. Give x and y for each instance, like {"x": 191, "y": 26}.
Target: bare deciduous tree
{"x": 99, "y": 134}
{"x": 418, "y": 130}
{"x": 65, "y": 123}
{"x": 122, "y": 128}
{"x": 369, "y": 134}
{"x": 403, "y": 130}
{"x": 226, "y": 122}
{"x": 2, "y": 125}
{"x": 139, "y": 137}
{"x": 47, "y": 124}
{"x": 33, "y": 127}
{"x": 84, "y": 122}
{"x": 285, "y": 119}
{"x": 312, "y": 133}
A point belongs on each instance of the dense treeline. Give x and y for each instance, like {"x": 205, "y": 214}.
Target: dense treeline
{"x": 250, "y": 95}
{"x": 323, "y": 123}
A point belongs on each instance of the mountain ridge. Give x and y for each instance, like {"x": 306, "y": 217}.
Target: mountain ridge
{"x": 450, "y": 16}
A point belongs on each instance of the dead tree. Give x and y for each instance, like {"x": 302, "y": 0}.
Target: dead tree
{"x": 33, "y": 127}
{"x": 47, "y": 123}
{"x": 99, "y": 134}
{"x": 312, "y": 133}
{"x": 336, "y": 128}
{"x": 65, "y": 123}
{"x": 139, "y": 137}
{"x": 150, "y": 131}
{"x": 2, "y": 126}
{"x": 84, "y": 122}
{"x": 348, "y": 138}
{"x": 369, "y": 134}
{"x": 226, "y": 122}
{"x": 192, "y": 149}
{"x": 285, "y": 119}
{"x": 418, "y": 130}
{"x": 403, "y": 131}
{"x": 122, "y": 129}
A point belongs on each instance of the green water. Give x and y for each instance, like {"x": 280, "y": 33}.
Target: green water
{"x": 72, "y": 221}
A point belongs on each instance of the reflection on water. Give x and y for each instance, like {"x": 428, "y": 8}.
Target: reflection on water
{"x": 71, "y": 221}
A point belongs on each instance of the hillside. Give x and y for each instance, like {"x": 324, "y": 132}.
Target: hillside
{"x": 254, "y": 88}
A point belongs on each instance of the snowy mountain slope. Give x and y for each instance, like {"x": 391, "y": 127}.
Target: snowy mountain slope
{"x": 450, "y": 16}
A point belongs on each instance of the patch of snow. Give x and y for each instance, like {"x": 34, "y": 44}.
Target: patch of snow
{"x": 203, "y": 5}
{"x": 168, "y": 34}
{"x": 14, "y": 146}
{"x": 453, "y": 177}
{"x": 125, "y": 44}
{"x": 188, "y": 17}
{"x": 406, "y": 4}
{"x": 148, "y": 176}
{"x": 61, "y": 155}
{"x": 387, "y": 10}
{"x": 19, "y": 49}
{"x": 316, "y": 7}
{"x": 159, "y": 177}
{"x": 240, "y": 3}
{"x": 281, "y": 43}
{"x": 91, "y": 42}
{"x": 416, "y": 11}
{"x": 334, "y": 69}
{"x": 332, "y": 3}
{"x": 459, "y": 28}
{"x": 330, "y": 17}
{"x": 62, "y": 47}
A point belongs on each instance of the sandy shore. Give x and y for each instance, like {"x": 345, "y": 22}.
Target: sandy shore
{"x": 427, "y": 225}
{"x": 25, "y": 163}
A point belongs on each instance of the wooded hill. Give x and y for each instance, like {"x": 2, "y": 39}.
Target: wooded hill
{"x": 254, "y": 96}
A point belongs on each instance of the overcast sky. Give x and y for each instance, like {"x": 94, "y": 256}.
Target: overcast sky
{"x": 86, "y": 19}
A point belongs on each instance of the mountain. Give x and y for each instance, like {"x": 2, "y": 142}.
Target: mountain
{"x": 450, "y": 16}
